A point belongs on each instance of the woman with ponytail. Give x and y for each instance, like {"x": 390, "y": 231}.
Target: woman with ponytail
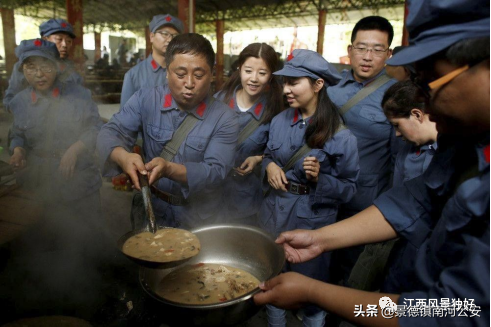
{"x": 310, "y": 165}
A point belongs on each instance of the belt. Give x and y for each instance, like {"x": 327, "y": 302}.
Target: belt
{"x": 55, "y": 154}
{"x": 169, "y": 198}
{"x": 298, "y": 189}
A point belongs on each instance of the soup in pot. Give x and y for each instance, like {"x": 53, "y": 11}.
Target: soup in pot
{"x": 206, "y": 283}
{"x": 166, "y": 245}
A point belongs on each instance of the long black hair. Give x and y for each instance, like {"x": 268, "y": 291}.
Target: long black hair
{"x": 326, "y": 120}
{"x": 274, "y": 103}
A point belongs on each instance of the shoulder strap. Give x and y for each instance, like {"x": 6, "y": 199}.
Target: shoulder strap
{"x": 364, "y": 92}
{"x": 251, "y": 126}
{"x": 303, "y": 150}
{"x": 170, "y": 149}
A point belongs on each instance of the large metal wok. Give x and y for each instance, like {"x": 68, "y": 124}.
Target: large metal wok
{"x": 244, "y": 247}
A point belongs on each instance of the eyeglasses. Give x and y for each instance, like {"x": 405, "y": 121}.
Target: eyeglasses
{"x": 363, "y": 51}
{"x": 167, "y": 35}
{"x": 426, "y": 87}
{"x": 34, "y": 70}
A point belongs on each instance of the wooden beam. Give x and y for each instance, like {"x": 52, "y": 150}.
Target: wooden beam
{"x": 8, "y": 24}
{"x": 97, "y": 41}
{"x": 148, "y": 44}
{"x": 186, "y": 12}
{"x": 220, "y": 29}
{"x": 320, "y": 32}
{"x": 74, "y": 13}
{"x": 405, "y": 34}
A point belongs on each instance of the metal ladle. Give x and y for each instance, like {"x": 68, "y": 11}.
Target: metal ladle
{"x": 147, "y": 201}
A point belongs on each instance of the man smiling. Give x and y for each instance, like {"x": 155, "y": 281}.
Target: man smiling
{"x": 186, "y": 174}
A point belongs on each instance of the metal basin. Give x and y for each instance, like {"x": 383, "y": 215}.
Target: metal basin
{"x": 244, "y": 247}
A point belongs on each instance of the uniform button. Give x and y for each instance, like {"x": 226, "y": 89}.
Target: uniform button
{"x": 301, "y": 126}
{"x": 292, "y": 147}
{"x": 282, "y": 207}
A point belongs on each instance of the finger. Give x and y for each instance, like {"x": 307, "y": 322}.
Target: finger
{"x": 283, "y": 178}
{"x": 134, "y": 179}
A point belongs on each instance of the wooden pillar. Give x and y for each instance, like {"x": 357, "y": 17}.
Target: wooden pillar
{"x": 8, "y": 24}
{"x": 186, "y": 13}
{"x": 405, "y": 34}
{"x": 97, "y": 41}
{"x": 148, "y": 45}
{"x": 321, "y": 30}
{"x": 220, "y": 23}
{"x": 74, "y": 13}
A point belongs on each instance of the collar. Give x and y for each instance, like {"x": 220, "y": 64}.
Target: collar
{"x": 483, "y": 155}
{"x": 153, "y": 64}
{"x": 54, "y": 93}
{"x": 199, "y": 111}
{"x": 256, "y": 110}
{"x": 427, "y": 147}
{"x": 349, "y": 78}
{"x": 297, "y": 118}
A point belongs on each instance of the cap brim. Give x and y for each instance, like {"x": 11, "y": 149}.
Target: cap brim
{"x": 435, "y": 40}
{"x": 37, "y": 53}
{"x": 60, "y": 31}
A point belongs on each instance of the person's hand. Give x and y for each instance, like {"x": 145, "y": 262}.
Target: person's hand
{"x": 300, "y": 245}
{"x": 68, "y": 162}
{"x": 18, "y": 159}
{"x": 312, "y": 167}
{"x": 131, "y": 163}
{"x": 248, "y": 165}
{"x": 276, "y": 177}
{"x": 156, "y": 169}
{"x": 288, "y": 291}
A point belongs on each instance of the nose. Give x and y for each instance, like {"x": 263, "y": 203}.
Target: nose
{"x": 39, "y": 73}
{"x": 286, "y": 89}
{"x": 189, "y": 84}
{"x": 368, "y": 56}
{"x": 254, "y": 77}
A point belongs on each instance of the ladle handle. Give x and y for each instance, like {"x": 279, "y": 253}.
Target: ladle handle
{"x": 147, "y": 201}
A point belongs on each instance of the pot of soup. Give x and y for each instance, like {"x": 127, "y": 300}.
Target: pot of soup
{"x": 215, "y": 287}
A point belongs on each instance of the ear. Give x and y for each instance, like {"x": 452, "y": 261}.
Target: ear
{"x": 319, "y": 83}
{"x": 418, "y": 114}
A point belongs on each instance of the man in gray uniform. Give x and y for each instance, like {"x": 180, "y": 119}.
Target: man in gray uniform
{"x": 152, "y": 71}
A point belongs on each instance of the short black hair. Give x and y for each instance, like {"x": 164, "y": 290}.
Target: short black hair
{"x": 373, "y": 23}
{"x": 465, "y": 52}
{"x": 468, "y": 52}
{"x": 190, "y": 43}
{"x": 400, "y": 99}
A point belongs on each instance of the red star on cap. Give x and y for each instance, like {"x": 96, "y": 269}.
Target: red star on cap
{"x": 168, "y": 18}
{"x": 290, "y": 57}
{"x": 38, "y": 42}
{"x": 63, "y": 25}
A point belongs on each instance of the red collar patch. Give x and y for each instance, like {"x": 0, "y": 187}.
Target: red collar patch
{"x": 168, "y": 100}
{"x": 201, "y": 109}
{"x": 231, "y": 104}
{"x": 154, "y": 64}
{"x": 290, "y": 57}
{"x": 485, "y": 151}
{"x": 258, "y": 109}
{"x": 295, "y": 117}
{"x": 56, "y": 92}
{"x": 33, "y": 96}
